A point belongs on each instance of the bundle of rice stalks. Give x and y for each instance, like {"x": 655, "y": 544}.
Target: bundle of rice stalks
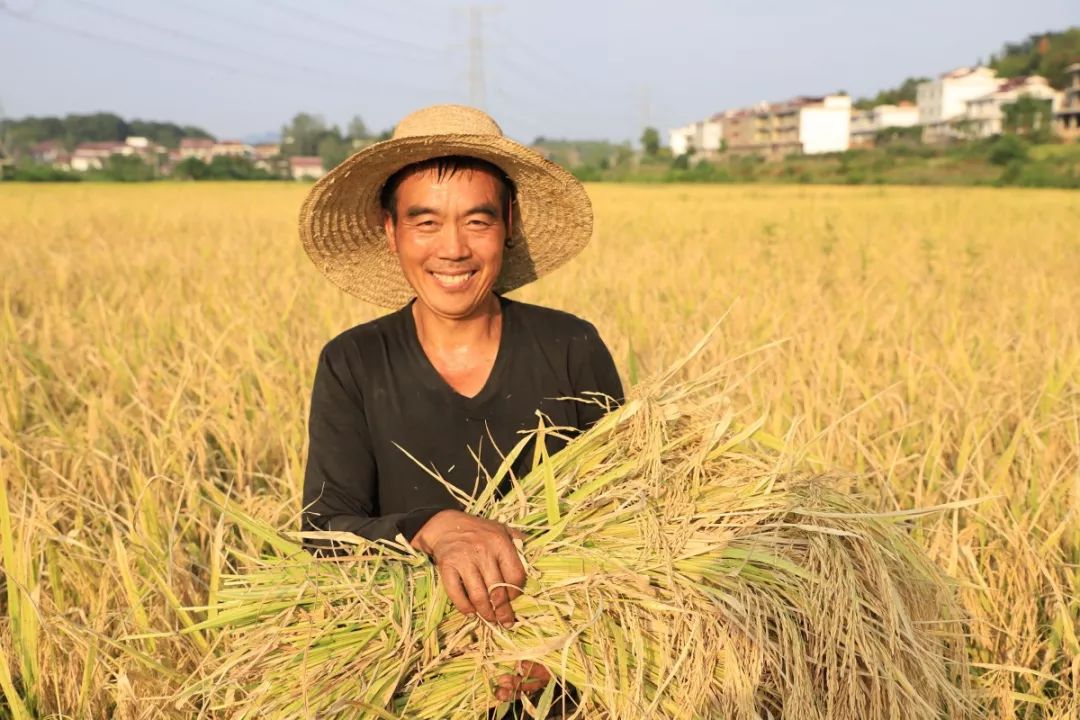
{"x": 678, "y": 568}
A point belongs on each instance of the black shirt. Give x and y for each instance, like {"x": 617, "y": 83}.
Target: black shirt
{"x": 375, "y": 389}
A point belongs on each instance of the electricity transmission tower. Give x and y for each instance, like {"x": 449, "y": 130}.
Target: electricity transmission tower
{"x": 477, "y": 88}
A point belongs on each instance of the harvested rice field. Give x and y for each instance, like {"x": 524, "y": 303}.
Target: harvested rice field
{"x": 917, "y": 348}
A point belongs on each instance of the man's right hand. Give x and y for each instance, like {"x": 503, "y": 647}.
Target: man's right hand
{"x": 474, "y": 554}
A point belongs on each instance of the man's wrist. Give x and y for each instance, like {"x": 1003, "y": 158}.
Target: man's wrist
{"x": 423, "y": 540}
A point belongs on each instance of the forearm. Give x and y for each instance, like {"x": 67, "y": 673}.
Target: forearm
{"x": 374, "y": 528}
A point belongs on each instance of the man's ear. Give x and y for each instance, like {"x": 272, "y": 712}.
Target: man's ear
{"x": 388, "y": 226}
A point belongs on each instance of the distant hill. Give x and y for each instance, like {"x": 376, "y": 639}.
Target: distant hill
{"x": 1046, "y": 54}
{"x": 19, "y": 135}
{"x": 578, "y": 153}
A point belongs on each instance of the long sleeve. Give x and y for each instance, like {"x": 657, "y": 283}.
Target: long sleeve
{"x": 341, "y": 477}
{"x": 592, "y": 370}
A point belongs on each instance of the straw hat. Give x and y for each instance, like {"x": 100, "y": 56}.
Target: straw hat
{"x": 341, "y": 221}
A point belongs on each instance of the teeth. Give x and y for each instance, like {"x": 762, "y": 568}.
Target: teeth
{"x": 457, "y": 279}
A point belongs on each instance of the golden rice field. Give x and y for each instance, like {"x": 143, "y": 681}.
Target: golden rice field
{"x": 159, "y": 340}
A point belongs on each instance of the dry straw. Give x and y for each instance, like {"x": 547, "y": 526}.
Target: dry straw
{"x": 677, "y": 569}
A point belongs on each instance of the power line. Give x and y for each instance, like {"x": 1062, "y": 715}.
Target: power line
{"x": 205, "y": 42}
{"x": 293, "y": 35}
{"x": 411, "y": 18}
{"x": 140, "y": 22}
{"x": 338, "y": 26}
{"x": 122, "y": 42}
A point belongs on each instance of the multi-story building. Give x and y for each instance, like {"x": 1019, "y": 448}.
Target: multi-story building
{"x": 1067, "y": 113}
{"x": 943, "y": 101}
{"x": 231, "y": 148}
{"x": 807, "y": 125}
{"x": 866, "y": 124}
{"x": 201, "y": 148}
{"x": 985, "y": 113}
{"x": 702, "y": 137}
{"x": 740, "y": 126}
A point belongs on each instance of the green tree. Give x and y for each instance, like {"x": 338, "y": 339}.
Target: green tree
{"x": 1046, "y": 54}
{"x": 332, "y": 150}
{"x": 1008, "y": 150}
{"x": 904, "y": 92}
{"x": 233, "y": 167}
{"x": 650, "y": 141}
{"x": 302, "y": 134}
{"x": 1029, "y": 116}
{"x": 126, "y": 168}
{"x": 191, "y": 168}
{"x": 357, "y": 130}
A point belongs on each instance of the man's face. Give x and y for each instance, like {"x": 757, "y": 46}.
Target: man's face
{"x": 449, "y": 238}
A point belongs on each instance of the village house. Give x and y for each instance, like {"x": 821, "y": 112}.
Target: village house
{"x": 200, "y": 148}
{"x": 942, "y": 102}
{"x": 267, "y": 151}
{"x": 866, "y": 124}
{"x": 1067, "y": 114}
{"x": 51, "y": 152}
{"x": 704, "y": 137}
{"x": 806, "y": 125}
{"x": 93, "y": 155}
{"x": 984, "y": 114}
{"x": 231, "y": 148}
{"x": 268, "y": 158}
{"x": 306, "y": 167}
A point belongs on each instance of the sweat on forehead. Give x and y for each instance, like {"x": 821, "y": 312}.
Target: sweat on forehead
{"x": 445, "y": 167}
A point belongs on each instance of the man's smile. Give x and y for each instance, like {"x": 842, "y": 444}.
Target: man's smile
{"x": 452, "y": 280}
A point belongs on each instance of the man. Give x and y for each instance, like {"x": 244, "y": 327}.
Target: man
{"x": 438, "y": 222}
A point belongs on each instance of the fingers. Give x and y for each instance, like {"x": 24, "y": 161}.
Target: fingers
{"x": 455, "y": 590}
{"x": 498, "y": 592}
{"x": 529, "y": 678}
{"x": 513, "y": 572}
{"x": 476, "y": 587}
{"x": 506, "y": 687}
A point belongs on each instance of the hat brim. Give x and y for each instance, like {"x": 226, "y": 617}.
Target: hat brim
{"x": 341, "y": 220}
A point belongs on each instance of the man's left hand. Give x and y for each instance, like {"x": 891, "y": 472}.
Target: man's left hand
{"x": 530, "y": 677}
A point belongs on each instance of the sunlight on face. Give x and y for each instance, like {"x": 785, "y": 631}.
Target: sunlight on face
{"x": 449, "y": 238}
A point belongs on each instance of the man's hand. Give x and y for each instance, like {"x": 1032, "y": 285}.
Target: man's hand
{"x": 530, "y": 677}
{"x": 477, "y": 560}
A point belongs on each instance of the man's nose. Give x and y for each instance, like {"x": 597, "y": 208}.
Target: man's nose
{"x": 453, "y": 244}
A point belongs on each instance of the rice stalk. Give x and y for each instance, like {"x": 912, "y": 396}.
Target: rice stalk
{"x": 673, "y": 572}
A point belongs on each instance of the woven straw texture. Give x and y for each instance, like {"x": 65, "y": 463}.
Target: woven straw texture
{"x": 341, "y": 222}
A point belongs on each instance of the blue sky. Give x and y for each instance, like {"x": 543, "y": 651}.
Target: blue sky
{"x": 581, "y": 69}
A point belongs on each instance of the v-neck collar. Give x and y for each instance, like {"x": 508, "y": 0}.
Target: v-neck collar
{"x": 434, "y": 380}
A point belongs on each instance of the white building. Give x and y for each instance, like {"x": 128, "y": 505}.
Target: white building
{"x": 806, "y": 125}
{"x": 704, "y": 136}
{"x": 943, "y": 101}
{"x": 92, "y": 155}
{"x": 825, "y": 124}
{"x": 306, "y": 167}
{"x": 985, "y": 113}
{"x": 865, "y": 124}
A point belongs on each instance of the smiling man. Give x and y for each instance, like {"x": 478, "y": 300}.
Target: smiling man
{"x": 438, "y": 223}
